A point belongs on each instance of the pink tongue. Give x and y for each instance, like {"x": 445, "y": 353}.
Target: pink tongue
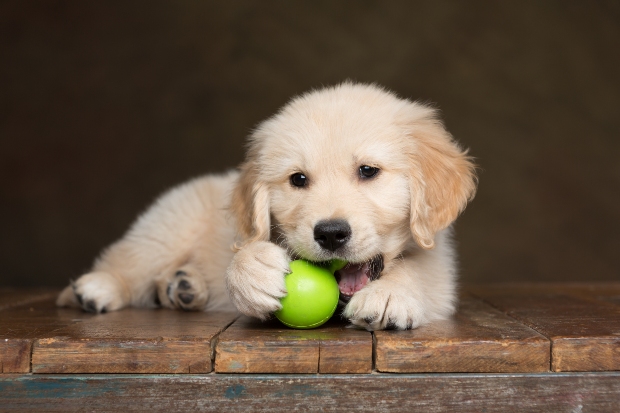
{"x": 352, "y": 278}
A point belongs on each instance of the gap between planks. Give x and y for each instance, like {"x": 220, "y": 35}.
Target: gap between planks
{"x": 216, "y": 340}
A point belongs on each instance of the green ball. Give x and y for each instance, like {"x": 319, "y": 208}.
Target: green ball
{"x": 312, "y": 296}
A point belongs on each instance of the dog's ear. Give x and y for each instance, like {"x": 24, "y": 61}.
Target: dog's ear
{"x": 250, "y": 205}
{"x": 442, "y": 176}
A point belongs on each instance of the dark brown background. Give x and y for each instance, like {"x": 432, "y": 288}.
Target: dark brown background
{"x": 105, "y": 104}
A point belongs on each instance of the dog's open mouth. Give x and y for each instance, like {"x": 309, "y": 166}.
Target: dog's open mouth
{"x": 353, "y": 277}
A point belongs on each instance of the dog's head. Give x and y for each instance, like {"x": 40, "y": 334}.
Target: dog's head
{"x": 351, "y": 172}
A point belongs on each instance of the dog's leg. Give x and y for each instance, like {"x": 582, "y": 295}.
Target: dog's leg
{"x": 183, "y": 288}
{"x": 96, "y": 292}
{"x": 255, "y": 278}
{"x": 121, "y": 277}
{"x": 411, "y": 291}
{"x": 185, "y": 232}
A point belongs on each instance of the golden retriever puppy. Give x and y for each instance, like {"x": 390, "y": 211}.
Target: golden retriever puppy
{"x": 354, "y": 173}
{"x": 350, "y": 172}
{"x": 174, "y": 255}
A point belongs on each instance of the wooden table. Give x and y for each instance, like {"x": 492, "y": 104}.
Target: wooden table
{"x": 534, "y": 347}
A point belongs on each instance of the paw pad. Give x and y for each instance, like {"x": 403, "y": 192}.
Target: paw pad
{"x": 184, "y": 285}
{"x": 370, "y": 320}
{"x": 184, "y": 291}
{"x": 186, "y": 298}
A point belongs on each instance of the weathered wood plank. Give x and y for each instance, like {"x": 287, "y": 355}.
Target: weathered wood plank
{"x": 583, "y": 326}
{"x": 581, "y": 320}
{"x": 20, "y": 326}
{"x": 477, "y": 339}
{"x": 132, "y": 341}
{"x": 430, "y": 393}
{"x": 12, "y": 297}
{"x": 15, "y": 355}
{"x": 250, "y": 346}
{"x": 604, "y": 291}
{"x": 344, "y": 350}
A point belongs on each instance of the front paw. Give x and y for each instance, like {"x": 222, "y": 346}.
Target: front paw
{"x": 255, "y": 278}
{"x": 383, "y": 305}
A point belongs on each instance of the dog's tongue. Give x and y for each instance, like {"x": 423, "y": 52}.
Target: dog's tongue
{"x": 352, "y": 278}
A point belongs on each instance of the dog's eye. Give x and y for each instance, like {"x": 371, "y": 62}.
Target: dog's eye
{"x": 299, "y": 180}
{"x": 368, "y": 171}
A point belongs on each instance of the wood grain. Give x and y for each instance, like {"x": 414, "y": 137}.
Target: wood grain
{"x": 581, "y": 322}
{"x": 20, "y": 326}
{"x": 12, "y": 297}
{"x": 345, "y": 350}
{"x": 15, "y": 355}
{"x": 132, "y": 341}
{"x": 429, "y": 393}
{"x": 250, "y": 346}
{"x": 477, "y": 339}
{"x": 601, "y": 291}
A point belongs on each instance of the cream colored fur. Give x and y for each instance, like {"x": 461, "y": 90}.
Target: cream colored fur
{"x": 404, "y": 213}
{"x": 188, "y": 229}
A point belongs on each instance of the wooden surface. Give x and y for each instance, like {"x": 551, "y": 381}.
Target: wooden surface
{"x": 132, "y": 341}
{"x": 428, "y": 393}
{"x": 20, "y": 326}
{"x": 250, "y": 346}
{"x": 581, "y": 321}
{"x": 11, "y": 297}
{"x": 520, "y": 330}
{"x": 497, "y": 329}
{"x": 478, "y": 339}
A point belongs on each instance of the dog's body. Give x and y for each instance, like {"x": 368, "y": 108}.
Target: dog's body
{"x": 180, "y": 247}
{"x": 350, "y": 172}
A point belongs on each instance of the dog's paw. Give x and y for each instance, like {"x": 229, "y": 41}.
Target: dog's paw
{"x": 255, "y": 278}
{"x": 382, "y": 305}
{"x": 96, "y": 292}
{"x": 184, "y": 289}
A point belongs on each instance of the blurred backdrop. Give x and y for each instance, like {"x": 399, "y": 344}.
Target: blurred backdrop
{"x": 103, "y": 105}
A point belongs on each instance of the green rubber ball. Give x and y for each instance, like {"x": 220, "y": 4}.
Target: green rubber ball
{"x": 312, "y": 296}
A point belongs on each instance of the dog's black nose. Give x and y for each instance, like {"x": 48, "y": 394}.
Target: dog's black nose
{"x": 332, "y": 234}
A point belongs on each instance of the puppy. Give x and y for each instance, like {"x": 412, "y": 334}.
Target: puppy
{"x": 354, "y": 173}
{"x": 175, "y": 255}
{"x": 350, "y": 172}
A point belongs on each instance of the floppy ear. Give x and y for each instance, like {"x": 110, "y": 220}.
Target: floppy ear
{"x": 442, "y": 176}
{"x": 250, "y": 205}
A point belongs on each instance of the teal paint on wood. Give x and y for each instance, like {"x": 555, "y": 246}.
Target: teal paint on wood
{"x": 51, "y": 388}
{"x": 466, "y": 393}
{"x": 235, "y": 391}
